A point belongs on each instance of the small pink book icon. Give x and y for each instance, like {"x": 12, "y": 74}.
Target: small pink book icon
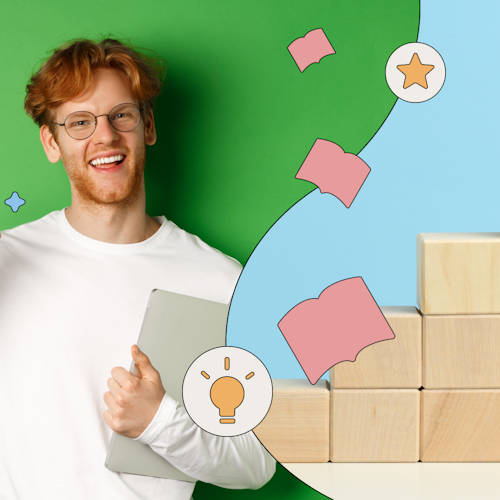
{"x": 333, "y": 171}
{"x": 310, "y": 48}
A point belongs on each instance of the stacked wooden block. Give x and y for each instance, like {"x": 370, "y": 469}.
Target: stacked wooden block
{"x": 432, "y": 393}
{"x": 458, "y": 292}
{"x": 296, "y": 428}
{"x": 375, "y": 401}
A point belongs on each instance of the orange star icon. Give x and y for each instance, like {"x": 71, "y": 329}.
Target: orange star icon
{"x": 415, "y": 72}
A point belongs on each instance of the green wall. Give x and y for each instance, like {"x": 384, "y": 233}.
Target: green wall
{"x": 236, "y": 119}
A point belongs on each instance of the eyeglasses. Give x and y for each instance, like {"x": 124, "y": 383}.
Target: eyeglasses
{"x": 82, "y": 124}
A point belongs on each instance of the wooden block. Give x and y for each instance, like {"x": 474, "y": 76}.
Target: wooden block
{"x": 460, "y": 425}
{"x": 296, "y": 428}
{"x": 458, "y": 273}
{"x": 395, "y": 363}
{"x": 461, "y": 351}
{"x": 374, "y": 425}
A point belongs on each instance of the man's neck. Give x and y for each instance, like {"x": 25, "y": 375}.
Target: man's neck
{"x": 112, "y": 223}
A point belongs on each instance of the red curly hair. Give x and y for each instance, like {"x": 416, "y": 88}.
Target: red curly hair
{"x": 68, "y": 73}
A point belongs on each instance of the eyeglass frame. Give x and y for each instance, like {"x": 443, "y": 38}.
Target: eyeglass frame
{"x": 95, "y": 122}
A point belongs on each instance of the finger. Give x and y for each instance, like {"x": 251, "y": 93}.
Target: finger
{"x": 113, "y": 408}
{"x": 121, "y": 375}
{"x": 108, "y": 418}
{"x": 148, "y": 371}
{"x": 113, "y": 424}
{"x": 114, "y": 387}
{"x": 138, "y": 356}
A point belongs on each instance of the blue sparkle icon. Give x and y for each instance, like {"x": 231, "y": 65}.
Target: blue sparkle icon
{"x": 15, "y": 201}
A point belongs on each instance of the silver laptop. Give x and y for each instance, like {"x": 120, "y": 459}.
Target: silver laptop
{"x": 176, "y": 330}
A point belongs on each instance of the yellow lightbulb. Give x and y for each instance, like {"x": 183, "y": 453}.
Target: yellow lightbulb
{"x": 227, "y": 394}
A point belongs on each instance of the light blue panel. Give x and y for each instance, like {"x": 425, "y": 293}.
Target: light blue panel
{"x": 434, "y": 169}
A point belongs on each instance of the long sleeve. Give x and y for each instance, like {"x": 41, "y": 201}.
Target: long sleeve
{"x": 230, "y": 462}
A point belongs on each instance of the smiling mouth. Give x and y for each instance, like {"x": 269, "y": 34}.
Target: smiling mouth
{"x": 109, "y": 162}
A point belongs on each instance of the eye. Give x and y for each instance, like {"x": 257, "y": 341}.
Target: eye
{"x": 78, "y": 124}
{"x": 121, "y": 116}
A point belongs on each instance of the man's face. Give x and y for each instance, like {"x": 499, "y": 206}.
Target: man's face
{"x": 108, "y": 183}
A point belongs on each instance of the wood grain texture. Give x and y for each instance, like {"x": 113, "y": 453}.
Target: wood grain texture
{"x": 296, "y": 428}
{"x": 460, "y": 425}
{"x": 458, "y": 273}
{"x": 395, "y": 363}
{"x": 461, "y": 352}
{"x": 374, "y": 425}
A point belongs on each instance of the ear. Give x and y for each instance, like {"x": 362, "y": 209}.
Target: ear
{"x": 49, "y": 144}
{"x": 149, "y": 129}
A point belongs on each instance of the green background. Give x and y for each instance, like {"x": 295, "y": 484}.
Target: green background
{"x": 235, "y": 121}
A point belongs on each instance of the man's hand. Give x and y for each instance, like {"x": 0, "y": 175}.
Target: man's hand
{"x": 133, "y": 401}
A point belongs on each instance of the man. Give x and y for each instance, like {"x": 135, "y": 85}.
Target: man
{"x": 74, "y": 286}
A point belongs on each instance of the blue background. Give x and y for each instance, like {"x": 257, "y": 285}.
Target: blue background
{"x": 434, "y": 169}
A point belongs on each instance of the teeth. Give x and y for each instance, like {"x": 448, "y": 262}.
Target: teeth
{"x": 109, "y": 159}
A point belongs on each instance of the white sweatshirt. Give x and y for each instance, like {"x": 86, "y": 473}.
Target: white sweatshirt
{"x": 70, "y": 310}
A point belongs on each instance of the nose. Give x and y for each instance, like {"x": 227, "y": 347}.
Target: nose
{"x": 104, "y": 133}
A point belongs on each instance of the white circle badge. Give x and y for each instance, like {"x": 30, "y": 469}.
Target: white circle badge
{"x": 415, "y": 72}
{"x": 227, "y": 391}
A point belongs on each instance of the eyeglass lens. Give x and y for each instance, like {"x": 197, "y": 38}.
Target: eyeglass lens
{"x": 81, "y": 124}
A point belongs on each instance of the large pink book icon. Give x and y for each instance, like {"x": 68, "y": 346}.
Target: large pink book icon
{"x": 335, "y": 327}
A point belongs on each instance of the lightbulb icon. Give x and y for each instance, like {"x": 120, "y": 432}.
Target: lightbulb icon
{"x": 227, "y": 391}
{"x": 227, "y": 394}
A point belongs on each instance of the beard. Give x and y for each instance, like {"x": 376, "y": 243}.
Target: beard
{"x": 94, "y": 194}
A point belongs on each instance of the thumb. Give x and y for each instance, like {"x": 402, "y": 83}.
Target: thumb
{"x": 146, "y": 369}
